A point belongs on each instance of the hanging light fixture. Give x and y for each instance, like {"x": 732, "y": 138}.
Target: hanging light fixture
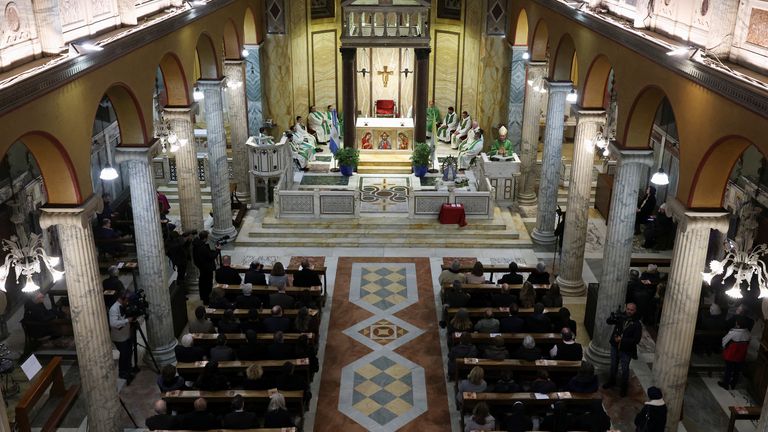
{"x": 108, "y": 172}
{"x": 742, "y": 267}
{"x": 25, "y": 256}
{"x": 198, "y": 95}
{"x": 660, "y": 178}
{"x": 572, "y": 97}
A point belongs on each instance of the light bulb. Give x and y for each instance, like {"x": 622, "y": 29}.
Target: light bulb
{"x": 31, "y": 286}
{"x": 526, "y": 56}
{"x": 763, "y": 292}
{"x": 572, "y": 97}
{"x": 734, "y": 292}
{"x": 108, "y": 173}
{"x": 174, "y": 148}
{"x": 2, "y": 283}
{"x": 172, "y": 138}
{"x": 57, "y": 275}
{"x": 197, "y": 95}
{"x": 707, "y": 277}
{"x": 54, "y": 260}
{"x": 245, "y": 52}
{"x": 716, "y": 266}
{"x": 183, "y": 142}
{"x": 660, "y": 178}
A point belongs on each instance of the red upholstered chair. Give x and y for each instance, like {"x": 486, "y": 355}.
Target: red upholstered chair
{"x": 385, "y": 108}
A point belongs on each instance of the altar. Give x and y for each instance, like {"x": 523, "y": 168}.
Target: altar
{"x": 502, "y": 173}
{"x": 377, "y": 133}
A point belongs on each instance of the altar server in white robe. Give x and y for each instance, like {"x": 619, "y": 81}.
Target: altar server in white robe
{"x": 303, "y": 134}
{"x": 449, "y": 124}
{"x": 471, "y": 147}
{"x": 318, "y": 124}
{"x": 460, "y": 134}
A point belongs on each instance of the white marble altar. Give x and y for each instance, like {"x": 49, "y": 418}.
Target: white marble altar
{"x": 384, "y": 133}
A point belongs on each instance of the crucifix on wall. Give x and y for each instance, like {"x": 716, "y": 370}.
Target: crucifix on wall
{"x": 385, "y": 75}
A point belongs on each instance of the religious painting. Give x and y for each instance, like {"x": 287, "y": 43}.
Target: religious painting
{"x": 158, "y": 168}
{"x": 757, "y": 32}
{"x": 323, "y": 9}
{"x": 384, "y": 142}
{"x": 450, "y": 9}
{"x": 366, "y": 142}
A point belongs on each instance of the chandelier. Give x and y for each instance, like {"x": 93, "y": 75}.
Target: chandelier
{"x": 26, "y": 256}
{"x": 600, "y": 141}
{"x": 169, "y": 141}
{"x": 742, "y": 266}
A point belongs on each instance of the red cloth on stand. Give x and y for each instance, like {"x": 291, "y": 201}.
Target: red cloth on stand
{"x": 453, "y": 214}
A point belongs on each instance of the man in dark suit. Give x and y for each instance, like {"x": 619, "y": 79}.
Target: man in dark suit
{"x": 277, "y": 322}
{"x": 512, "y": 278}
{"x": 239, "y": 418}
{"x": 279, "y": 350}
{"x": 226, "y": 274}
{"x": 254, "y": 275}
{"x": 247, "y": 300}
{"x": 280, "y": 298}
{"x": 205, "y": 259}
{"x": 538, "y": 322}
{"x": 199, "y": 419}
{"x": 161, "y": 420}
{"x": 251, "y": 350}
{"x": 512, "y": 323}
{"x": 306, "y": 277}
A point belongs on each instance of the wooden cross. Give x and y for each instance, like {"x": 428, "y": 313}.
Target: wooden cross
{"x": 385, "y": 75}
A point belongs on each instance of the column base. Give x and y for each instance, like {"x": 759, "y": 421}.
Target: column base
{"x": 163, "y": 355}
{"x": 526, "y": 199}
{"x": 599, "y": 357}
{"x": 571, "y": 288}
{"x": 218, "y": 234}
{"x": 543, "y": 238}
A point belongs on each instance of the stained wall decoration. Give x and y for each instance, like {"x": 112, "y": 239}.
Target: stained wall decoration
{"x": 275, "y": 16}
{"x": 496, "y": 18}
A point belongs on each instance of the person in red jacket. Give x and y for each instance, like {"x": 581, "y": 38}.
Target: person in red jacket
{"x": 735, "y": 347}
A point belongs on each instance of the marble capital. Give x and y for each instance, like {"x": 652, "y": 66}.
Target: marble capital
{"x": 250, "y": 47}
{"x": 208, "y": 84}
{"x": 558, "y": 86}
{"x": 691, "y": 219}
{"x": 79, "y": 216}
{"x": 129, "y": 153}
{"x": 630, "y": 156}
{"x": 589, "y": 115}
{"x": 179, "y": 112}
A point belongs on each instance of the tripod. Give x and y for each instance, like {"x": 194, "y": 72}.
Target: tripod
{"x": 559, "y": 231}
{"x": 136, "y": 328}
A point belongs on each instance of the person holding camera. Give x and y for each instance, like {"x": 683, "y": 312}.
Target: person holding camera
{"x": 627, "y": 332}
{"x": 205, "y": 259}
{"x": 120, "y": 331}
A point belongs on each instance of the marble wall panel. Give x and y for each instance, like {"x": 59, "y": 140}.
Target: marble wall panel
{"x": 493, "y": 86}
{"x": 277, "y": 81}
{"x": 364, "y": 103}
{"x": 324, "y": 71}
{"x": 473, "y": 25}
{"x": 757, "y": 32}
{"x": 381, "y": 57}
{"x": 297, "y": 30}
{"x": 446, "y": 76}
{"x": 407, "y": 60}
{"x": 18, "y": 23}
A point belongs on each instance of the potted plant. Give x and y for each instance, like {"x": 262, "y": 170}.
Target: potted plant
{"x": 347, "y": 158}
{"x": 421, "y": 158}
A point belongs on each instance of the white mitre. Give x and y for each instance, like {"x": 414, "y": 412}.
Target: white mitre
{"x": 502, "y": 131}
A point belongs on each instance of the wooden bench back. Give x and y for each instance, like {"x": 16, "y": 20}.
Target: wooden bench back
{"x": 51, "y": 376}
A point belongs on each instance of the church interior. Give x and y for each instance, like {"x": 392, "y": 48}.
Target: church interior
{"x": 384, "y": 215}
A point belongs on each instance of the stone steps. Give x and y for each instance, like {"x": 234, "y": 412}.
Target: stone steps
{"x": 384, "y": 163}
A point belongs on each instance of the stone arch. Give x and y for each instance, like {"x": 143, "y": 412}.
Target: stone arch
{"x": 174, "y": 80}
{"x": 232, "y": 43}
{"x": 540, "y": 42}
{"x": 640, "y": 117}
{"x": 59, "y": 173}
{"x": 520, "y": 29}
{"x": 250, "y": 28}
{"x": 593, "y": 94}
{"x": 714, "y": 169}
{"x": 207, "y": 61}
{"x": 563, "y": 64}
{"x": 133, "y": 130}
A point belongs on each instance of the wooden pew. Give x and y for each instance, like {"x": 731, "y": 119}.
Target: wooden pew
{"x": 661, "y": 262}
{"x": 510, "y": 338}
{"x": 492, "y": 269}
{"x": 463, "y": 364}
{"x": 234, "y": 290}
{"x": 242, "y": 313}
{"x": 479, "y": 312}
{"x": 493, "y": 288}
{"x": 235, "y": 430}
{"x": 320, "y": 270}
{"x": 239, "y": 338}
{"x": 742, "y": 413}
{"x": 529, "y": 399}
{"x": 50, "y": 376}
{"x": 185, "y": 398}
{"x": 196, "y": 368}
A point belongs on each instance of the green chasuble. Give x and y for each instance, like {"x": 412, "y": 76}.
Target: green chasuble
{"x": 506, "y": 144}
{"x": 433, "y": 116}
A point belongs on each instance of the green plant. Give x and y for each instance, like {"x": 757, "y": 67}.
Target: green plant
{"x": 348, "y": 156}
{"x": 421, "y": 154}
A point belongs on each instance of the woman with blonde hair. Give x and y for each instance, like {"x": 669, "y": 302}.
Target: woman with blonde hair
{"x": 277, "y": 415}
{"x": 254, "y": 378}
{"x": 475, "y": 382}
{"x": 527, "y": 295}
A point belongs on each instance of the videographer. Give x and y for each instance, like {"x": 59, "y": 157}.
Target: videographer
{"x": 627, "y": 332}
{"x": 205, "y": 259}
{"x": 120, "y": 331}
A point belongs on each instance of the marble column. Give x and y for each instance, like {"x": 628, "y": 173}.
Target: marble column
{"x": 150, "y": 250}
{"x": 182, "y": 122}
{"x": 348, "y": 94}
{"x": 47, "y": 15}
{"x": 529, "y": 146}
{"x": 722, "y": 28}
{"x": 238, "y": 126}
{"x": 253, "y": 93}
{"x": 516, "y": 95}
{"x": 89, "y": 316}
{"x": 588, "y": 124}
{"x": 217, "y": 158}
{"x": 681, "y": 302}
{"x": 420, "y": 96}
{"x": 127, "y": 11}
{"x": 617, "y": 252}
{"x": 544, "y": 233}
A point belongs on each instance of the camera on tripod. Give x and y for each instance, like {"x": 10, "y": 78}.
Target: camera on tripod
{"x": 224, "y": 240}
{"x": 136, "y": 306}
{"x": 617, "y": 316}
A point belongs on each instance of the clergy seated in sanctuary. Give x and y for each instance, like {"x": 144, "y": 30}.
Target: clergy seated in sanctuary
{"x": 460, "y": 134}
{"x": 502, "y": 147}
{"x": 304, "y": 135}
{"x": 226, "y": 274}
{"x": 446, "y": 128}
{"x": 302, "y": 151}
{"x": 317, "y": 124}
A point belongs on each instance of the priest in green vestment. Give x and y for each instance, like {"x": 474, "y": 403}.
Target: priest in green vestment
{"x": 502, "y": 146}
{"x": 433, "y": 118}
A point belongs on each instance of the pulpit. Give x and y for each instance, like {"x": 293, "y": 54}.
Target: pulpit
{"x": 501, "y": 173}
{"x": 267, "y": 162}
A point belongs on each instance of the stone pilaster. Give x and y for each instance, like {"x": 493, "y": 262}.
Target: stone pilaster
{"x": 681, "y": 302}
{"x": 722, "y": 27}
{"x": 544, "y": 233}
{"x": 420, "y": 97}
{"x": 617, "y": 251}
{"x": 150, "y": 250}
{"x": 182, "y": 121}
{"x": 575, "y": 236}
{"x": 89, "y": 316}
{"x": 253, "y": 93}
{"x": 529, "y": 146}
{"x": 348, "y": 77}
{"x": 217, "y": 158}
{"x": 516, "y": 95}
{"x": 238, "y": 126}
{"x": 48, "y": 20}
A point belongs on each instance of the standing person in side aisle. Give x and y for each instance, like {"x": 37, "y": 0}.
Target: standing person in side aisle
{"x": 120, "y": 332}
{"x": 735, "y": 347}
{"x": 627, "y": 332}
{"x": 205, "y": 259}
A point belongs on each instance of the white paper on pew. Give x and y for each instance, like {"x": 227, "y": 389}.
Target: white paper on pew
{"x": 541, "y": 396}
{"x": 31, "y": 367}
